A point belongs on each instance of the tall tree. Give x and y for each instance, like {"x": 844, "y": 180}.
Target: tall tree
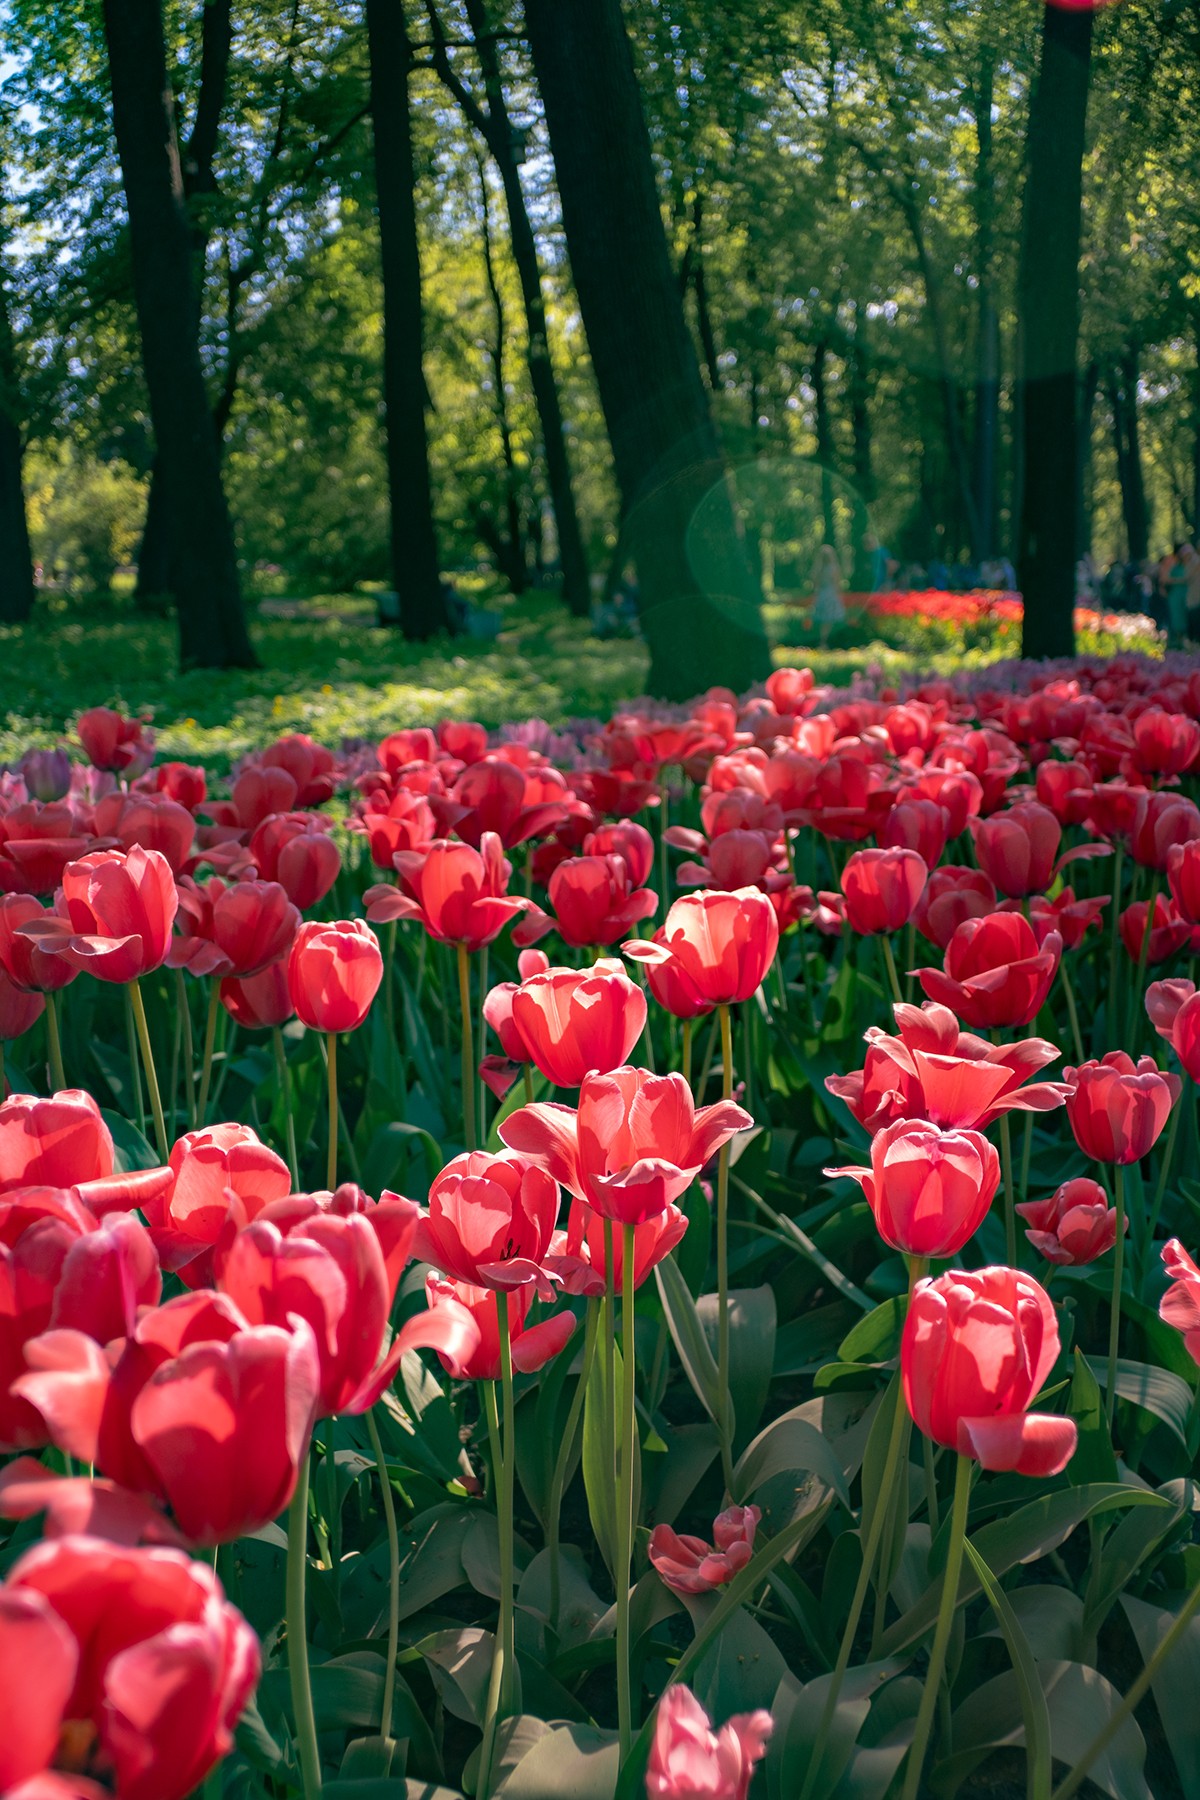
{"x": 703, "y": 625}
{"x": 212, "y": 625}
{"x": 16, "y": 563}
{"x": 1048, "y": 303}
{"x": 415, "y": 566}
{"x": 494, "y": 124}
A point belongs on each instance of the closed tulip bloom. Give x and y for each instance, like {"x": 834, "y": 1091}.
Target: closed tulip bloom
{"x": 124, "y": 1670}
{"x": 185, "y": 783}
{"x": 1164, "y": 1001}
{"x": 1075, "y": 1225}
{"x": 1183, "y": 878}
{"x": 36, "y": 844}
{"x": 456, "y": 892}
{"x": 689, "y": 1565}
{"x": 1066, "y": 788}
{"x": 334, "y": 971}
{"x": 46, "y": 773}
{"x": 1184, "y": 1030}
{"x": 575, "y": 1021}
{"x": 674, "y": 989}
{"x": 258, "y": 1002}
{"x": 489, "y": 1221}
{"x": 19, "y": 1011}
{"x": 950, "y": 897}
{"x": 1117, "y": 1107}
{"x": 1180, "y": 1305}
{"x": 722, "y": 943}
{"x": 1163, "y": 933}
{"x": 151, "y": 821}
{"x": 579, "y": 1259}
{"x": 29, "y": 968}
{"x": 113, "y": 742}
{"x": 995, "y": 975}
{"x": 1017, "y": 848}
{"x": 628, "y": 840}
{"x": 1166, "y": 743}
{"x": 488, "y": 799}
{"x": 881, "y": 889}
{"x": 296, "y": 850}
{"x": 469, "y": 1309}
{"x": 196, "y": 1408}
{"x": 253, "y": 924}
{"x": 633, "y": 1146}
{"x": 917, "y": 824}
{"x": 55, "y": 1142}
{"x": 406, "y": 823}
{"x": 218, "y": 1171}
{"x": 310, "y": 765}
{"x": 119, "y": 911}
{"x": 691, "y": 1761}
{"x": 1161, "y": 822}
{"x": 929, "y": 1190}
{"x": 593, "y": 901}
{"x": 976, "y": 1348}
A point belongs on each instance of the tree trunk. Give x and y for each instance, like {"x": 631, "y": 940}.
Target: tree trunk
{"x": 700, "y": 605}
{"x": 1122, "y": 395}
{"x": 1048, "y": 308}
{"x": 212, "y": 625}
{"x": 16, "y": 562}
{"x": 1088, "y": 389}
{"x": 415, "y": 567}
{"x": 514, "y": 561}
{"x": 497, "y": 129}
{"x": 987, "y": 377}
{"x": 154, "y": 553}
{"x": 825, "y": 449}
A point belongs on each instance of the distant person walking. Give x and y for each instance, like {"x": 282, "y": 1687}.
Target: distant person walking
{"x": 1176, "y": 585}
{"x": 828, "y": 607}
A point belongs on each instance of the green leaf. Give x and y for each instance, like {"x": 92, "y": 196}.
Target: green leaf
{"x": 460, "y": 1664}
{"x": 751, "y": 1351}
{"x": 1022, "y": 1537}
{"x": 556, "y": 1761}
{"x": 1093, "y": 1459}
{"x": 688, "y": 1336}
{"x": 382, "y": 1787}
{"x": 598, "y": 1456}
{"x": 1025, "y": 1673}
{"x": 1156, "y": 1391}
{"x": 798, "y": 1712}
{"x": 875, "y": 1339}
{"x": 1175, "y": 1685}
{"x": 389, "y": 1157}
{"x": 740, "y": 1670}
{"x": 1124, "y": 1552}
{"x": 789, "y": 1443}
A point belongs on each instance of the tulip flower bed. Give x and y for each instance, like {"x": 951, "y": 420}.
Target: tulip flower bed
{"x": 655, "y": 1259}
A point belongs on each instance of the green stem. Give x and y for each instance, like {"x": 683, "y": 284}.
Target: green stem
{"x": 942, "y": 1630}
{"x": 210, "y": 1036}
{"x": 527, "y": 1073}
{"x": 1137, "y": 1010}
{"x": 143, "y": 1031}
{"x": 1072, "y": 1013}
{"x": 1168, "y": 1156}
{"x": 723, "y": 1262}
{"x": 389, "y": 997}
{"x": 331, "y": 1153}
{"x": 1114, "y": 1322}
{"x": 285, "y": 1088}
{"x": 183, "y": 1012}
{"x": 1010, "y": 1198}
{"x": 503, "y": 1465}
{"x": 610, "y": 1351}
{"x": 889, "y": 958}
{"x": 393, "y": 1539}
{"x": 58, "y": 1080}
{"x": 625, "y": 1493}
{"x": 468, "y": 1053}
{"x": 686, "y": 1057}
{"x": 562, "y": 1461}
{"x": 481, "y": 1039}
{"x": 135, "y": 1065}
{"x": 1073, "y": 1781}
{"x": 1114, "y": 939}
{"x": 297, "y": 1642}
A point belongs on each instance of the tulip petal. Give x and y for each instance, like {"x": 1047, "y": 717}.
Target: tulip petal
{"x": 1038, "y": 1444}
{"x": 533, "y": 1349}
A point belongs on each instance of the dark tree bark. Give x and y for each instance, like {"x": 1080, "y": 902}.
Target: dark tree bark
{"x": 824, "y": 431}
{"x": 494, "y": 125}
{"x": 513, "y": 560}
{"x": 1122, "y": 396}
{"x": 987, "y": 377}
{"x": 212, "y": 625}
{"x": 1089, "y": 387}
{"x": 1048, "y": 309}
{"x": 415, "y": 567}
{"x": 700, "y": 604}
{"x": 16, "y": 561}
{"x": 692, "y": 276}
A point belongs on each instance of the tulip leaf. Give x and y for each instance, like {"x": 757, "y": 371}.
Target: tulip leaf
{"x": 388, "y": 1161}
{"x": 1093, "y": 1459}
{"x": 798, "y": 1713}
{"x": 740, "y": 1670}
{"x": 1175, "y": 1685}
{"x": 688, "y": 1336}
{"x": 386, "y": 1787}
{"x": 1079, "y": 1702}
{"x": 459, "y": 1664}
{"x": 751, "y": 1351}
{"x": 875, "y": 1339}
{"x": 1025, "y": 1673}
{"x": 1156, "y": 1391}
{"x": 1125, "y": 1551}
{"x": 546, "y": 1762}
{"x": 788, "y": 1444}
{"x": 598, "y": 1456}
{"x": 1020, "y": 1537}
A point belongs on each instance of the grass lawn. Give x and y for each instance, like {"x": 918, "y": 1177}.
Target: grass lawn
{"x": 328, "y": 670}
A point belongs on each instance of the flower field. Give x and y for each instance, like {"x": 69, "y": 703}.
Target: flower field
{"x": 652, "y": 1258}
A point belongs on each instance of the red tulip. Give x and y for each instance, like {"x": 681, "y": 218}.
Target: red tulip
{"x": 58, "y": 1142}
{"x": 688, "y": 1565}
{"x": 1183, "y": 878}
{"x": 36, "y": 844}
{"x": 218, "y": 1171}
{"x": 689, "y": 1761}
{"x": 1066, "y": 788}
{"x": 929, "y": 1190}
{"x": 1162, "y": 821}
{"x": 463, "y": 1309}
{"x": 735, "y": 859}
{"x": 1075, "y": 1225}
{"x": 578, "y": 1257}
{"x": 261, "y": 793}
{"x": 1071, "y": 918}
{"x": 788, "y": 689}
{"x": 253, "y": 925}
{"x": 310, "y": 765}
{"x": 915, "y": 823}
{"x": 1017, "y": 848}
{"x": 406, "y": 823}
{"x": 19, "y": 1012}
{"x": 110, "y": 741}
{"x": 1166, "y": 931}
{"x": 593, "y": 901}
{"x": 185, "y": 783}
{"x": 950, "y": 897}
{"x": 634, "y": 1145}
{"x": 456, "y": 892}
{"x": 74, "y": 1504}
{"x": 881, "y": 889}
{"x": 849, "y": 800}
{"x": 195, "y": 1407}
{"x": 575, "y": 1021}
{"x": 1117, "y": 1107}
{"x": 722, "y": 944}
{"x": 333, "y": 972}
{"x": 1166, "y": 743}
{"x": 489, "y": 1221}
{"x": 296, "y": 850}
{"x": 628, "y": 840}
{"x": 119, "y": 910}
{"x": 976, "y": 1348}
{"x": 258, "y": 1002}
{"x": 149, "y": 821}
{"x": 28, "y": 968}
{"x": 995, "y": 975}
{"x": 462, "y": 739}
{"x": 1180, "y": 1305}
{"x": 123, "y": 1670}
{"x": 1174, "y": 1010}
{"x": 488, "y": 799}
